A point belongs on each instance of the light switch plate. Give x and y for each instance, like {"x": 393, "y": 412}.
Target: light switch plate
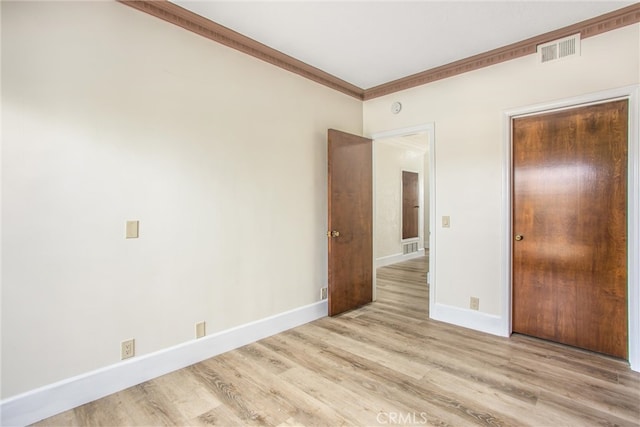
{"x": 132, "y": 229}
{"x": 446, "y": 221}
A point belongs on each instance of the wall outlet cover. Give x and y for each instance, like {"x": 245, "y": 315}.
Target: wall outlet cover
{"x": 127, "y": 349}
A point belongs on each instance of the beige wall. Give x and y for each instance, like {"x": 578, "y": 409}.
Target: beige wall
{"x": 467, "y": 111}
{"x": 112, "y": 115}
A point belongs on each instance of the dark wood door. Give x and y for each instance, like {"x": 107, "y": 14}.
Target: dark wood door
{"x": 350, "y": 189}
{"x": 570, "y": 227}
{"x": 410, "y": 204}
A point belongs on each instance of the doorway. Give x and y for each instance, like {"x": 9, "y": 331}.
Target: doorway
{"x": 409, "y": 150}
{"x": 632, "y": 93}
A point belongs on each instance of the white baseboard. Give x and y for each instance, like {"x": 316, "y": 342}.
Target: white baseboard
{"x": 61, "y": 396}
{"x": 395, "y": 258}
{"x": 471, "y": 319}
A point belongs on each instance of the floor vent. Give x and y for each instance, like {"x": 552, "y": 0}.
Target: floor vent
{"x": 559, "y": 49}
{"x": 410, "y": 248}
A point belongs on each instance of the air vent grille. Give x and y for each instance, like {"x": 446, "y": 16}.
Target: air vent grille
{"x": 549, "y": 53}
{"x": 410, "y": 248}
{"x": 559, "y": 49}
{"x": 567, "y": 48}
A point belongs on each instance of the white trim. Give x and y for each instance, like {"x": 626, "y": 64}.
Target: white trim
{"x": 505, "y": 220}
{"x": 429, "y": 129}
{"x": 53, "y": 399}
{"x": 393, "y": 259}
{"x": 374, "y": 278}
{"x": 398, "y": 142}
{"x": 632, "y": 93}
{"x": 431, "y": 277}
{"x": 426, "y": 128}
{"x": 464, "y": 317}
{"x": 411, "y": 239}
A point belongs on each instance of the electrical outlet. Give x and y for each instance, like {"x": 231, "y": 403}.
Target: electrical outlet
{"x": 474, "y": 303}
{"x": 127, "y": 349}
{"x": 323, "y": 293}
{"x": 200, "y": 329}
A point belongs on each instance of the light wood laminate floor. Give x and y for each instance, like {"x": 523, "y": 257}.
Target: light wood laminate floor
{"x": 382, "y": 365}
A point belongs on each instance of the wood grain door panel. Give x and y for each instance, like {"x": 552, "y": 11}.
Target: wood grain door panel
{"x": 570, "y": 207}
{"x": 350, "y": 191}
{"x": 410, "y": 204}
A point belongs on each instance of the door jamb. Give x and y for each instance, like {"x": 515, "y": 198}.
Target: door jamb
{"x": 429, "y": 129}
{"x": 632, "y": 93}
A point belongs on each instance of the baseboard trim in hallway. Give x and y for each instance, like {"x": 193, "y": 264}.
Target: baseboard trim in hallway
{"x": 58, "y": 397}
{"x": 396, "y": 258}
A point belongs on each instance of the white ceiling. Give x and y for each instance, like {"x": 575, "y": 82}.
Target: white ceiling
{"x": 368, "y": 43}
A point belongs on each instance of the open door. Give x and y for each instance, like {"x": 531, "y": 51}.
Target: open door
{"x": 350, "y": 190}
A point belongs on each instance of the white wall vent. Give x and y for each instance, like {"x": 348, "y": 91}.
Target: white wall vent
{"x": 559, "y": 49}
{"x": 409, "y": 248}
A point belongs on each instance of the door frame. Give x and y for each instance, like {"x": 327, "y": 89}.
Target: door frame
{"x": 429, "y": 129}
{"x": 632, "y": 94}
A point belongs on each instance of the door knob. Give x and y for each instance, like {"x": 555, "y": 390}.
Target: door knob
{"x": 519, "y": 237}
{"x": 333, "y": 233}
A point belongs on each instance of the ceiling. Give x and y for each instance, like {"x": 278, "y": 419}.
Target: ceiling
{"x": 368, "y": 43}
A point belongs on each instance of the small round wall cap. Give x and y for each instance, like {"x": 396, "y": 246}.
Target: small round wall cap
{"x": 396, "y": 107}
